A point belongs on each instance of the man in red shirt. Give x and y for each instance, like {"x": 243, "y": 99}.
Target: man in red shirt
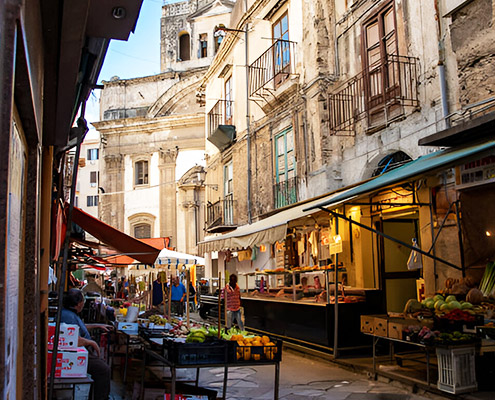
{"x": 233, "y": 299}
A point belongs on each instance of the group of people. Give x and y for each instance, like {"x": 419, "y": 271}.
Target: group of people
{"x": 73, "y": 303}
{"x": 177, "y": 296}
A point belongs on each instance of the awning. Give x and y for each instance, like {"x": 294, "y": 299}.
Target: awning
{"x": 434, "y": 161}
{"x": 167, "y": 256}
{"x": 114, "y": 238}
{"x": 266, "y": 231}
{"x": 124, "y": 260}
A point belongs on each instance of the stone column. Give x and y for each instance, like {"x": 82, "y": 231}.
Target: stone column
{"x": 111, "y": 203}
{"x": 168, "y": 195}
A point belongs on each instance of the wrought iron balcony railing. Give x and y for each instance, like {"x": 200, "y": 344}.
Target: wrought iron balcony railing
{"x": 285, "y": 193}
{"x": 380, "y": 93}
{"x": 221, "y": 114}
{"x": 273, "y": 67}
{"x": 220, "y": 215}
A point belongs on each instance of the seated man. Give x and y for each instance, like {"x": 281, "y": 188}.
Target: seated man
{"x": 73, "y": 303}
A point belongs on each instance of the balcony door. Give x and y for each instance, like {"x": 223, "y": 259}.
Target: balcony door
{"x": 281, "y": 49}
{"x": 381, "y": 66}
{"x": 228, "y": 192}
{"x": 285, "y": 168}
{"x": 228, "y": 101}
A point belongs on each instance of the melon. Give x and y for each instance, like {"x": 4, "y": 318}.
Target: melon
{"x": 438, "y": 304}
{"x": 450, "y": 298}
{"x": 454, "y": 304}
{"x": 438, "y": 297}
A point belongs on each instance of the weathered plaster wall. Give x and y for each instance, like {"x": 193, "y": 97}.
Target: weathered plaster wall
{"x": 473, "y": 42}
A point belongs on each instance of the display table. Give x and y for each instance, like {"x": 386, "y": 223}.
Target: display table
{"x": 309, "y": 322}
{"x": 151, "y": 352}
{"x": 427, "y": 349}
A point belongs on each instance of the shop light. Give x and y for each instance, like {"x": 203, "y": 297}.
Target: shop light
{"x": 488, "y": 233}
{"x": 337, "y": 239}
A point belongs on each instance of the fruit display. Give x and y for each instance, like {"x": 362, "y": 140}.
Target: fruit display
{"x": 255, "y": 348}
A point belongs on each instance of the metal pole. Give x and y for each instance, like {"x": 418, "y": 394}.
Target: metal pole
{"x": 248, "y": 135}
{"x": 336, "y": 307}
{"x": 81, "y": 124}
{"x": 220, "y": 303}
{"x": 459, "y": 233}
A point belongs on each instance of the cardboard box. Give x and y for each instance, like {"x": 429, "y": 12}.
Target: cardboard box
{"x": 367, "y": 323}
{"x": 70, "y": 363}
{"x": 380, "y": 326}
{"x": 68, "y": 337}
{"x": 396, "y": 328}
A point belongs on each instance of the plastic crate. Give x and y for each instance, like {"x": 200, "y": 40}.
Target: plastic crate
{"x": 244, "y": 354}
{"x": 195, "y": 353}
{"x": 456, "y": 369}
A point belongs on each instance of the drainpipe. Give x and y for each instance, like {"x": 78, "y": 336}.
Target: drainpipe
{"x": 248, "y": 135}
{"x": 441, "y": 67}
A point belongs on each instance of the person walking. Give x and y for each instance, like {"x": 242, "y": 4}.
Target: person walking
{"x": 233, "y": 301}
{"x": 73, "y": 303}
{"x": 178, "y": 296}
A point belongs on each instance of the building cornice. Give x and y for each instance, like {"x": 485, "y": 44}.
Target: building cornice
{"x": 131, "y": 125}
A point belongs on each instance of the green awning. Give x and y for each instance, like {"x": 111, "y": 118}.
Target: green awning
{"x": 434, "y": 161}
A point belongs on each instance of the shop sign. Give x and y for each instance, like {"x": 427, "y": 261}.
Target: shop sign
{"x": 477, "y": 172}
{"x": 335, "y": 245}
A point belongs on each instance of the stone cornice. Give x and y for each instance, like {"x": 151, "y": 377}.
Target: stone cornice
{"x": 150, "y": 125}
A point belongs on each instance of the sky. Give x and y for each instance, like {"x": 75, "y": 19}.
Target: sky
{"x": 138, "y": 56}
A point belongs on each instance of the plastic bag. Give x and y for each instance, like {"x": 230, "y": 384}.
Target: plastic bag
{"x": 415, "y": 260}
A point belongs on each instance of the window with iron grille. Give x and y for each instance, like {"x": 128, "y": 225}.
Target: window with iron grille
{"x": 281, "y": 52}
{"x": 285, "y": 169}
{"x": 381, "y": 73}
{"x": 142, "y": 231}
{"x": 141, "y": 172}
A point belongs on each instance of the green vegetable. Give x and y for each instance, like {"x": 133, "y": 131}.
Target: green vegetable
{"x": 487, "y": 284}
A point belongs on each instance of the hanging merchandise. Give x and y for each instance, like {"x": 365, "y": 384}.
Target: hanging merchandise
{"x": 301, "y": 245}
{"x": 313, "y": 241}
{"x": 244, "y": 255}
{"x": 415, "y": 260}
{"x": 262, "y": 248}
{"x": 254, "y": 253}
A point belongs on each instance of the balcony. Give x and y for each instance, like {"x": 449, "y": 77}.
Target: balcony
{"x": 285, "y": 193}
{"x": 272, "y": 68}
{"x": 221, "y": 131}
{"x": 380, "y": 93}
{"x": 220, "y": 215}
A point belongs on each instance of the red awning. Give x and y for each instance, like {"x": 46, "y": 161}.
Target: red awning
{"x": 114, "y": 238}
{"x": 158, "y": 243}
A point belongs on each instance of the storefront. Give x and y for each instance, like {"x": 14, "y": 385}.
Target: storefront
{"x": 367, "y": 232}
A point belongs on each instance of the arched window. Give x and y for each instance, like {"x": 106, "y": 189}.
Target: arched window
{"x": 219, "y": 33}
{"x": 142, "y": 231}
{"x": 184, "y": 47}
{"x": 390, "y": 162}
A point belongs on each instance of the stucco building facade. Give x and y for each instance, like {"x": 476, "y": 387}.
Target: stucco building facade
{"x": 337, "y": 93}
{"x": 145, "y": 123}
